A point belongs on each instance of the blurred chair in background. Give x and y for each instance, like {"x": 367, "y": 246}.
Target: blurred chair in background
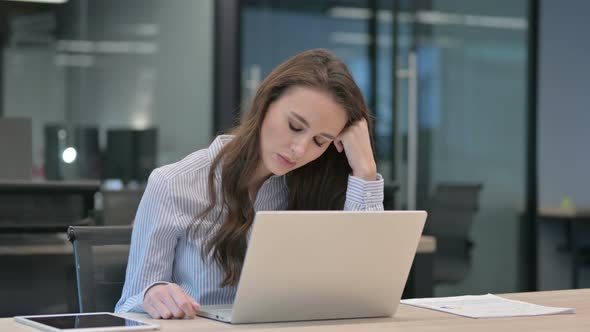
{"x": 131, "y": 154}
{"x": 389, "y": 191}
{"x": 451, "y": 213}
{"x": 119, "y": 206}
{"x": 101, "y": 254}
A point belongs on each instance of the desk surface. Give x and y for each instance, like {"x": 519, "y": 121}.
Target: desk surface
{"x": 564, "y": 213}
{"x": 407, "y": 319}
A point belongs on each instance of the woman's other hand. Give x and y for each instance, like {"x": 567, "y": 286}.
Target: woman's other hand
{"x": 356, "y": 143}
{"x": 169, "y": 301}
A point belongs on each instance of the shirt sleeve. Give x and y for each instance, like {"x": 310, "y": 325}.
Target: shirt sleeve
{"x": 362, "y": 195}
{"x": 153, "y": 242}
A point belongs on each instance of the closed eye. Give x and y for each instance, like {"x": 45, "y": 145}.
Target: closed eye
{"x": 295, "y": 129}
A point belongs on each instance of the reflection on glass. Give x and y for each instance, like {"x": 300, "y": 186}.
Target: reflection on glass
{"x": 469, "y": 95}
{"x": 89, "y": 66}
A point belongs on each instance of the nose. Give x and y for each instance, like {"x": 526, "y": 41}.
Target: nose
{"x": 298, "y": 148}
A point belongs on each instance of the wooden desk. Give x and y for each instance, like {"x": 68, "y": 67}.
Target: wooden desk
{"x": 427, "y": 244}
{"x": 571, "y": 218}
{"x": 564, "y": 213}
{"x": 407, "y": 319}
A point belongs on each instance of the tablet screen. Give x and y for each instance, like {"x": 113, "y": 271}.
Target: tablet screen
{"x": 102, "y": 320}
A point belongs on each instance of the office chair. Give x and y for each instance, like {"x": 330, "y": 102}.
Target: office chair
{"x": 119, "y": 206}
{"x": 100, "y": 254}
{"x": 580, "y": 250}
{"x": 389, "y": 191}
{"x": 450, "y": 215}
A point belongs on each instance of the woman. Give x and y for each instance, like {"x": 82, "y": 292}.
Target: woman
{"x": 305, "y": 144}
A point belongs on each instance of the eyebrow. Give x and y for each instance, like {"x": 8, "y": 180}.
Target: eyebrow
{"x": 302, "y": 120}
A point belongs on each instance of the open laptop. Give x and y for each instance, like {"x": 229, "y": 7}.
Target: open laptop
{"x": 311, "y": 265}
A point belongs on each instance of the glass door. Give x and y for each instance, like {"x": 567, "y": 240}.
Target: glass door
{"x": 460, "y": 127}
{"x": 449, "y": 99}
{"x": 272, "y": 31}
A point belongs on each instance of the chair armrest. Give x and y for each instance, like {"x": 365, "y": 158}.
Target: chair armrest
{"x": 101, "y": 234}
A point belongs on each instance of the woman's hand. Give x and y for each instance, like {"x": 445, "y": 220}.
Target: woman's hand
{"x": 169, "y": 301}
{"x": 356, "y": 143}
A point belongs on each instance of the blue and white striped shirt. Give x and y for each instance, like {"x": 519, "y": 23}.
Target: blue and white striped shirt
{"x": 164, "y": 248}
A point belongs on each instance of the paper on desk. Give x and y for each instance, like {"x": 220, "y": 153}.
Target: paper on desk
{"x": 485, "y": 306}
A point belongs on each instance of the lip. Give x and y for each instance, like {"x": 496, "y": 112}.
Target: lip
{"x": 285, "y": 161}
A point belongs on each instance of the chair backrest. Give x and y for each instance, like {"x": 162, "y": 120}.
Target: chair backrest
{"x": 101, "y": 254}
{"x": 389, "y": 192}
{"x": 450, "y": 215}
{"x": 452, "y": 208}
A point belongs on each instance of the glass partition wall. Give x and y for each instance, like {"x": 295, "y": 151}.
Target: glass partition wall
{"x": 128, "y": 86}
{"x": 110, "y": 89}
{"x": 113, "y": 88}
{"x": 447, "y": 83}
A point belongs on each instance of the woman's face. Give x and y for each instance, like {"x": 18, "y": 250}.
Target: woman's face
{"x": 298, "y": 127}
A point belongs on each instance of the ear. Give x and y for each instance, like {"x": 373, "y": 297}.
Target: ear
{"x": 338, "y": 144}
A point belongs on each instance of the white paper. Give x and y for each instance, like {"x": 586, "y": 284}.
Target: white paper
{"x": 485, "y": 306}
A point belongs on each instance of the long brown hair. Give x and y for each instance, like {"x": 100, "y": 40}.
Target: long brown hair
{"x": 319, "y": 185}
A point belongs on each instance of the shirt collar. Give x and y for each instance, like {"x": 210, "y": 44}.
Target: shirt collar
{"x": 219, "y": 143}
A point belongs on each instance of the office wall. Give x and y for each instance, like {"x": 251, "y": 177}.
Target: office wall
{"x": 150, "y": 63}
{"x": 166, "y": 82}
{"x": 564, "y": 113}
{"x": 564, "y": 117}
{"x": 33, "y": 88}
{"x": 476, "y": 127}
{"x": 481, "y": 135}
{"x": 468, "y": 147}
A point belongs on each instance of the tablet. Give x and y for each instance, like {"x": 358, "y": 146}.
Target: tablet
{"x": 86, "y": 322}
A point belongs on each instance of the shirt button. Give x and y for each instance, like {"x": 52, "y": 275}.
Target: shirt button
{"x": 368, "y": 195}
